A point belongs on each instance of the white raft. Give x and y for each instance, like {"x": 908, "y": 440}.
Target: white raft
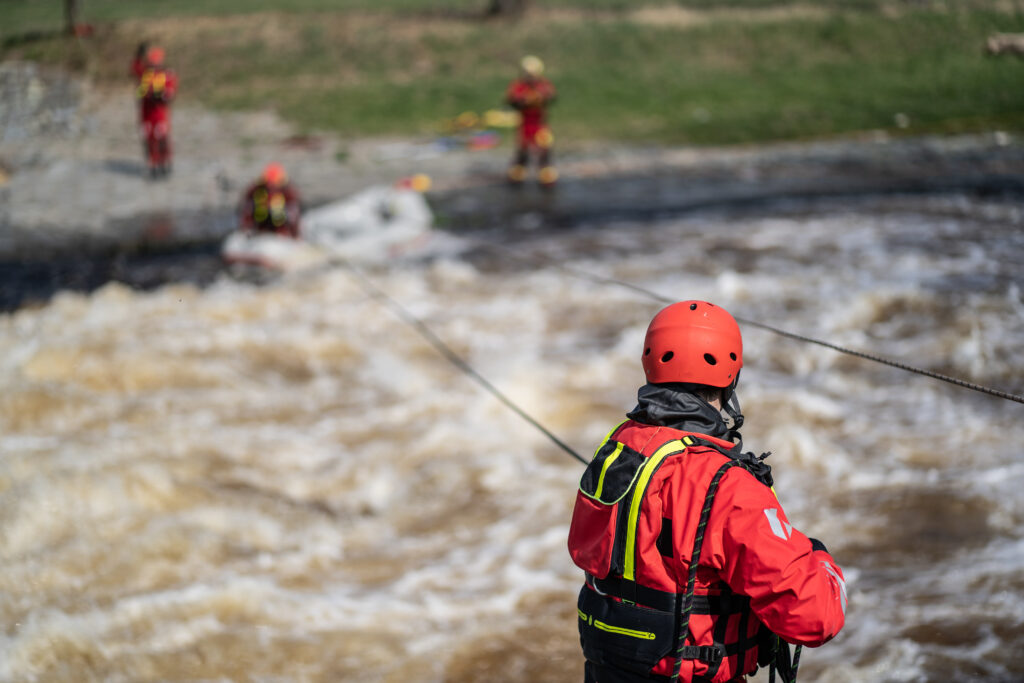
{"x": 377, "y": 225}
{"x": 267, "y": 251}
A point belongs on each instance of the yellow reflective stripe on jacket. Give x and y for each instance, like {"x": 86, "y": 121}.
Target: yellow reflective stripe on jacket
{"x": 608, "y": 628}
{"x": 144, "y": 81}
{"x": 151, "y": 80}
{"x": 674, "y": 446}
{"x": 604, "y": 469}
{"x": 607, "y": 437}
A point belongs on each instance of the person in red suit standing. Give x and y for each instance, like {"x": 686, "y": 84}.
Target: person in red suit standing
{"x": 271, "y": 204}
{"x": 157, "y": 86}
{"x": 693, "y": 572}
{"x": 531, "y": 94}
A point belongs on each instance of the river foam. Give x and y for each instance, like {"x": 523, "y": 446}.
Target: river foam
{"x": 287, "y": 482}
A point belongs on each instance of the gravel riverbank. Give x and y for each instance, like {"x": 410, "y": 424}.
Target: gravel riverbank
{"x": 73, "y": 169}
{"x": 72, "y": 176}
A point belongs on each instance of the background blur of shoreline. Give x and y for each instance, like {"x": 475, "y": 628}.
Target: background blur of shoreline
{"x": 692, "y": 72}
{"x": 77, "y": 210}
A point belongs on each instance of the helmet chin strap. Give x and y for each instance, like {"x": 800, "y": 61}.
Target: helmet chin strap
{"x": 731, "y": 404}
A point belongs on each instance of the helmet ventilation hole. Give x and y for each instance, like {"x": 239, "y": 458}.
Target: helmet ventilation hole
{"x": 693, "y": 307}
{"x": 647, "y": 351}
{"x": 667, "y": 357}
{"x": 732, "y": 356}
{"x": 709, "y": 359}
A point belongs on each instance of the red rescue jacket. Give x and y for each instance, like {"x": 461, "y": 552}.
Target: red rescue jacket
{"x": 531, "y": 98}
{"x": 633, "y": 531}
{"x": 271, "y": 209}
{"x": 157, "y": 87}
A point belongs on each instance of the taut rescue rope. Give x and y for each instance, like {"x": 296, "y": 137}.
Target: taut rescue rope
{"x": 601, "y": 279}
{"x": 380, "y": 295}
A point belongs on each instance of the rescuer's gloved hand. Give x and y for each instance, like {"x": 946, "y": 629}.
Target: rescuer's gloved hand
{"x": 817, "y": 545}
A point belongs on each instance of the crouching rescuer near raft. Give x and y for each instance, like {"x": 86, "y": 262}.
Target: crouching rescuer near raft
{"x": 693, "y": 571}
{"x": 271, "y": 204}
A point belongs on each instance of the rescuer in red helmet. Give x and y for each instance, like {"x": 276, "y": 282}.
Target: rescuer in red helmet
{"x": 692, "y": 568}
{"x": 157, "y": 86}
{"x": 271, "y": 204}
{"x": 531, "y": 94}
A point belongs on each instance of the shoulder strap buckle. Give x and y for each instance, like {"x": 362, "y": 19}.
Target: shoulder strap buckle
{"x": 712, "y": 654}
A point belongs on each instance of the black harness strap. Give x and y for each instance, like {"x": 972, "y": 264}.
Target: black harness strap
{"x": 691, "y": 579}
{"x": 643, "y": 595}
{"x": 712, "y": 654}
{"x": 744, "y": 625}
{"x": 718, "y": 638}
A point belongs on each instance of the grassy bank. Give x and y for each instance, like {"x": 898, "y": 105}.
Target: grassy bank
{"x": 692, "y": 72}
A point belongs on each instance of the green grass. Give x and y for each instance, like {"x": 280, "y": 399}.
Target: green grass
{"x": 20, "y": 16}
{"x": 747, "y": 75}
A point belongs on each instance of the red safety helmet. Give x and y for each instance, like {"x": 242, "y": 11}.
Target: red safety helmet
{"x": 155, "y": 56}
{"x": 693, "y": 342}
{"x": 274, "y": 174}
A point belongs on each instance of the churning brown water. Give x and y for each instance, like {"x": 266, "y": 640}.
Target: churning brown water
{"x": 286, "y": 483}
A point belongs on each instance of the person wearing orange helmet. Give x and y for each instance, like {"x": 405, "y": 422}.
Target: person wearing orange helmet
{"x": 157, "y": 87}
{"x": 271, "y": 204}
{"x": 531, "y": 94}
{"x": 693, "y": 572}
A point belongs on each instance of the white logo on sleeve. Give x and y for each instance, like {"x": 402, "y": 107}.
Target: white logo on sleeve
{"x": 780, "y": 529}
{"x": 839, "y": 582}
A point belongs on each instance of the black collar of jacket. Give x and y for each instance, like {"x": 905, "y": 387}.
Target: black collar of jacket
{"x": 676, "y": 405}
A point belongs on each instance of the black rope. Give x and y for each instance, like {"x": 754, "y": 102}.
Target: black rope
{"x": 380, "y": 295}
{"x": 780, "y": 661}
{"x": 691, "y": 578}
{"x": 601, "y": 279}
{"x": 887, "y": 361}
